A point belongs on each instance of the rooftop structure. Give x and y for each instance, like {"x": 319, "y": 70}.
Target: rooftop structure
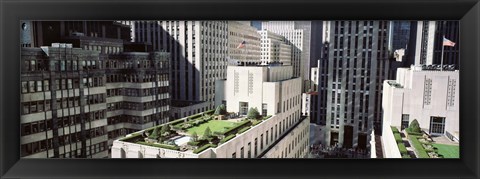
{"x": 259, "y": 119}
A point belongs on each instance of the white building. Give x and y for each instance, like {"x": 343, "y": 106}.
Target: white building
{"x": 271, "y": 89}
{"x": 429, "y": 96}
{"x": 274, "y": 48}
{"x": 297, "y": 34}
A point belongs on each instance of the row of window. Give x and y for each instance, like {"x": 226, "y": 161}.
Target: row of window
{"x": 137, "y": 106}
{"x": 60, "y": 84}
{"x": 136, "y": 78}
{"x": 276, "y": 132}
{"x": 135, "y": 92}
{"x": 161, "y": 116}
{"x": 45, "y": 125}
{"x": 73, "y": 138}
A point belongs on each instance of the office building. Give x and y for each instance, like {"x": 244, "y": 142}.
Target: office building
{"x": 81, "y": 94}
{"x": 423, "y": 93}
{"x": 280, "y": 132}
{"x": 426, "y": 42}
{"x": 274, "y": 49}
{"x": 357, "y": 63}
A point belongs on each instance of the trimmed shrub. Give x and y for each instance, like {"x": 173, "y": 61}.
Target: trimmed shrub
{"x": 406, "y": 156}
{"x": 135, "y": 135}
{"x": 398, "y": 138}
{"x": 402, "y": 148}
{"x": 418, "y": 147}
{"x": 236, "y": 128}
{"x": 220, "y": 110}
{"x": 171, "y": 147}
{"x": 394, "y": 130}
{"x": 154, "y": 134}
{"x": 253, "y": 113}
{"x": 193, "y": 143}
{"x": 266, "y": 117}
{"x": 178, "y": 121}
{"x": 227, "y": 138}
{"x": 410, "y": 132}
{"x": 202, "y": 148}
{"x": 415, "y": 126}
{"x": 243, "y": 129}
{"x": 207, "y": 133}
{"x": 254, "y": 123}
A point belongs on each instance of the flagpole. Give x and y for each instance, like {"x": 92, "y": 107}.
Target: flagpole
{"x": 443, "y": 47}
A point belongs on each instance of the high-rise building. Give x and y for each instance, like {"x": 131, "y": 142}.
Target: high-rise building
{"x": 357, "y": 63}
{"x": 199, "y": 51}
{"x": 243, "y": 42}
{"x": 297, "y": 34}
{"x": 426, "y": 42}
{"x": 81, "y": 94}
{"x": 280, "y": 132}
{"x": 400, "y": 34}
{"x": 274, "y": 49}
{"x": 425, "y": 94}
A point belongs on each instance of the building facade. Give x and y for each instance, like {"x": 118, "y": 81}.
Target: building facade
{"x": 298, "y": 38}
{"x": 426, "y": 42}
{"x": 274, "y": 49}
{"x": 357, "y": 62}
{"x": 95, "y": 89}
{"x": 430, "y": 96}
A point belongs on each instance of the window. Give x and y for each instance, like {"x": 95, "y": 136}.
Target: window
{"x": 264, "y": 109}
{"x": 234, "y": 155}
{"x": 249, "y": 154}
{"x": 241, "y": 153}
{"x": 437, "y": 125}
{"x": 255, "y": 147}
{"x": 24, "y": 87}
{"x": 405, "y": 121}
{"x": 243, "y": 108}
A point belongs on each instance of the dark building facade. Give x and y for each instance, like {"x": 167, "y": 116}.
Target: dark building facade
{"x": 358, "y": 61}
{"x": 81, "y": 94}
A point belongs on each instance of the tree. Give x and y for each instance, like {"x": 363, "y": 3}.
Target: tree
{"x": 165, "y": 129}
{"x": 194, "y": 137}
{"x": 207, "y": 133}
{"x": 154, "y": 134}
{"x": 414, "y": 126}
{"x": 220, "y": 110}
{"x": 253, "y": 113}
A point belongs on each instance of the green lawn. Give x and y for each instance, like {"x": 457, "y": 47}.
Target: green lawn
{"x": 448, "y": 151}
{"x": 215, "y": 125}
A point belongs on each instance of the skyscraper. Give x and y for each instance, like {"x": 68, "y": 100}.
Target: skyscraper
{"x": 357, "y": 63}
{"x": 199, "y": 51}
{"x": 426, "y": 39}
{"x": 297, "y": 34}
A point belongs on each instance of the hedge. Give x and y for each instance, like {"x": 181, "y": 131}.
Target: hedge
{"x": 243, "y": 130}
{"x": 193, "y": 143}
{"x": 131, "y": 136}
{"x": 418, "y": 147}
{"x": 395, "y": 130}
{"x": 200, "y": 149}
{"x": 237, "y": 127}
{"x": 409, "y": 132}
{"x": 254, "y": 123}
{"x": 406, "y": 156}
{"x": 397, "y": 136}
{"x": 171, "y": 147}
{"x": 266, "y": 117}
{"x": 178, "y": 121}
{"x": 227, "y": 138}
{"x": 402, "y": 148}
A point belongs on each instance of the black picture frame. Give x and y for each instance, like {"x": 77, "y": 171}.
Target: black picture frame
{"x": 12, "y": 11}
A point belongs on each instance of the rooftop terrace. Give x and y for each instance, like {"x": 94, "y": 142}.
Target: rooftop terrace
{"x": 196, "y": 133}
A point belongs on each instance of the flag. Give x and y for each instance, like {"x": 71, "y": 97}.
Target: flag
{"x": 447, "y": 42}
{"x": 241, "y": 45}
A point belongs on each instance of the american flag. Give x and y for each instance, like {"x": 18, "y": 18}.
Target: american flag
{"x": 447, "y": 42}
{"x": 241, "y": 45}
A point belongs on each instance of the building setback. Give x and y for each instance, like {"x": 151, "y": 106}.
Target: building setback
{"x": 81, "y": 94}
{"x": 273, "y": 91}
{"x": 423, "y": 93}
{"x": 357, "y": 63}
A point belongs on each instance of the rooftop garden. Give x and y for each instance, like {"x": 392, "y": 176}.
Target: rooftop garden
{"x": 423, "y": 144}
{"x": 198, "y": 132}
